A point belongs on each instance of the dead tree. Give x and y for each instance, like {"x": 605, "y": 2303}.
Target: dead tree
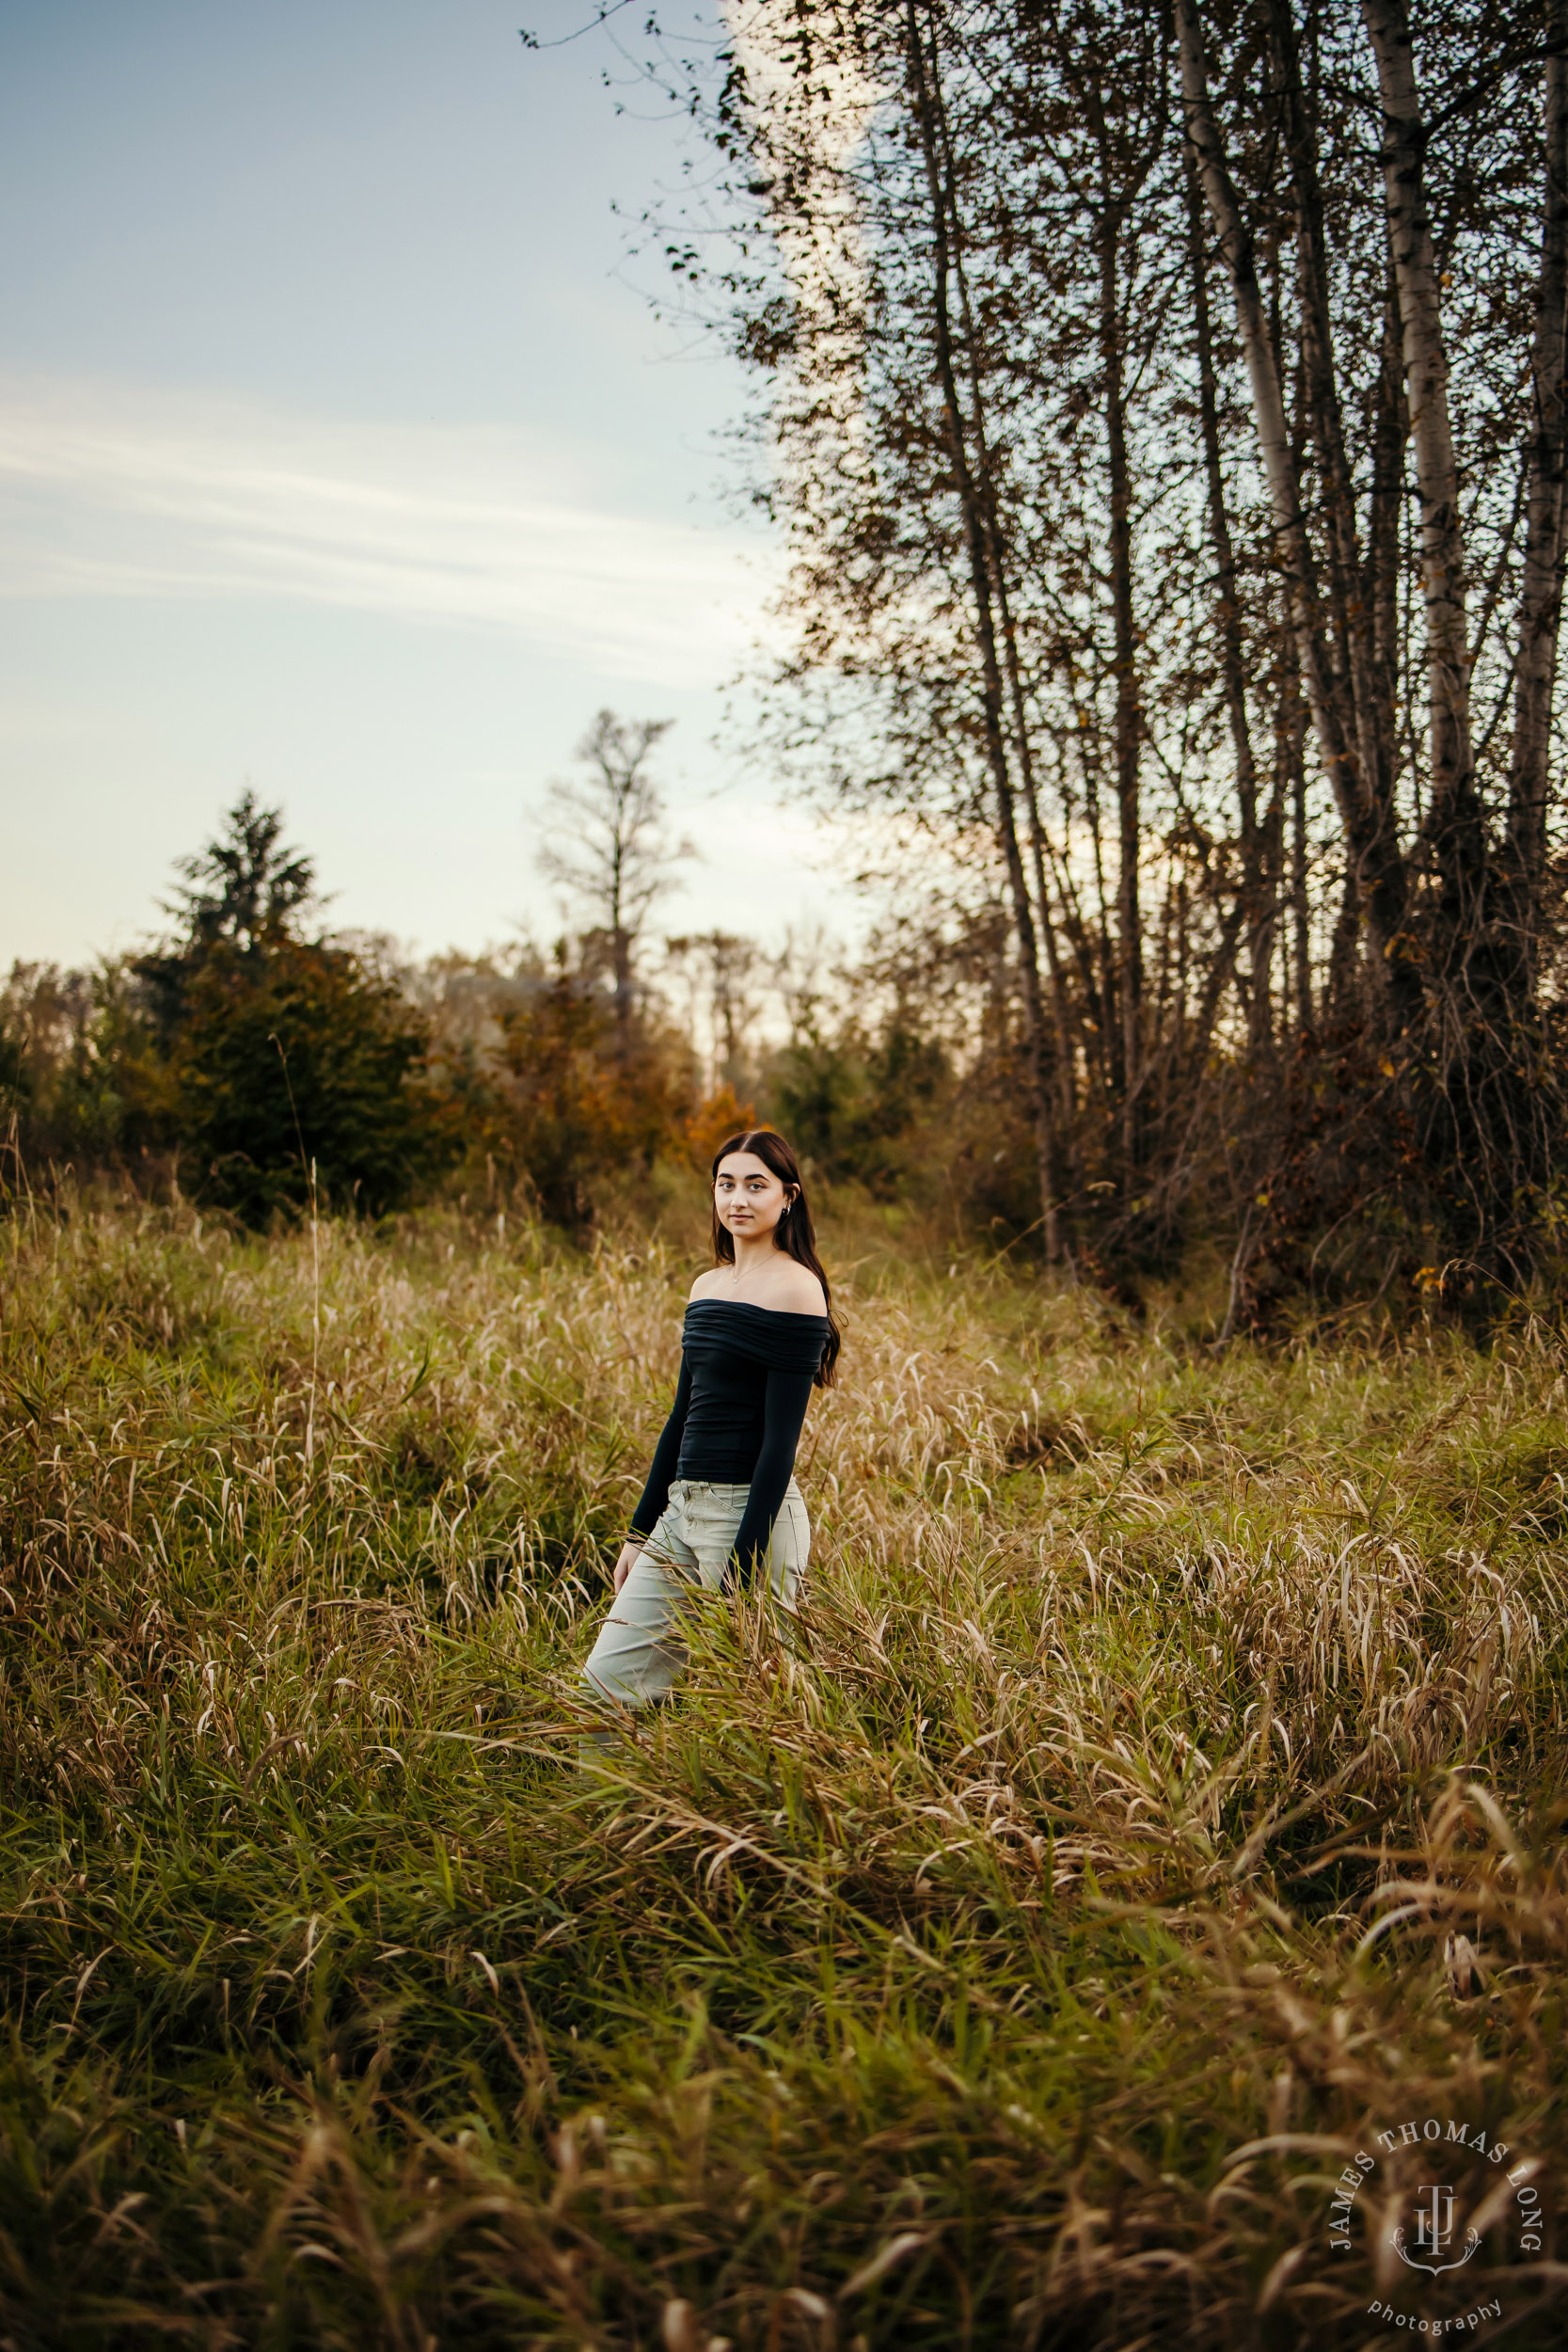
{"x": 605, "y": 840}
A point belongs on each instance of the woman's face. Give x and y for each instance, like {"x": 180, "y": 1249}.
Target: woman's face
{"x": 749, "y": 1198}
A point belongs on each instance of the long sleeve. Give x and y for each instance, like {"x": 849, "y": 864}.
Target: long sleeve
{"x": 784, "y": 1412}
{"x": 667, "y": 1453}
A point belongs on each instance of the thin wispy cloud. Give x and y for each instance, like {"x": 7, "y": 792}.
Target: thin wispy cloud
{"x": 110, "y": 491}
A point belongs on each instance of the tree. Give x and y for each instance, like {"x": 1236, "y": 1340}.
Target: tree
{"x": 607, "y": 842}
{"x": 79, "y": 1077}
{"x": 728, "y": 963}
{"x": 1451, "y": 902}
{"x": 245, "y": 892}
{"x": 861, "y": 1108}
{"x": 298, "y": 1078}
{"x": 581, "y": 1113}
{"x": 245, "y": 887}
{"x": 290, "y": 1073}
{"x": 1165, "y": 406}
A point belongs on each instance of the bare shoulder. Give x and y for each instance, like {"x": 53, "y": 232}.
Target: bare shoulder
{"x": 796, "y": 1290}
{"x": 790, "y": 1289}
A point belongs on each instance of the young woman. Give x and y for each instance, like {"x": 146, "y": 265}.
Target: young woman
{"x": 720, "y": 1505}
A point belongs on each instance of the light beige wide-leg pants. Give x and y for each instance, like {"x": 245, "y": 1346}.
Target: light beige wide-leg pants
{"x": 640, "y": 1655}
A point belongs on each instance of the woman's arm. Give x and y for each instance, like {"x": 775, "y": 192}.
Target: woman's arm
{"x": 667, "y": 1453}
{"x": 783, "y": 1415}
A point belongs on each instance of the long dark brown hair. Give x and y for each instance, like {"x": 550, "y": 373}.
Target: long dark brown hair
{"x": 793, "y": 1232}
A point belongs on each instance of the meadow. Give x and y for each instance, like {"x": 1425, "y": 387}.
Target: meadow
{"x": 1019, "y": 1955}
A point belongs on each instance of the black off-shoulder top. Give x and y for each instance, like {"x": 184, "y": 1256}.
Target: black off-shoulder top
{"x": 746, "y": 1380}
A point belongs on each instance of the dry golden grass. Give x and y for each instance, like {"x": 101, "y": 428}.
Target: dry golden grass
{"x": 1017, "y": 1960}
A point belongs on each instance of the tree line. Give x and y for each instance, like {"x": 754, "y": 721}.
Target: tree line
{"x": 1163, "y": 407}
{"x": 1164, "y": 404}
{"x": 267, "y": 1066}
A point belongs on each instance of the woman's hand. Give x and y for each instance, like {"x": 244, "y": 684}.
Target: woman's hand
{"x": 630, "y": 1554}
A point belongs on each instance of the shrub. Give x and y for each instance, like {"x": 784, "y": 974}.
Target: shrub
{"x": 860, "y": 1108}
{"x": 81, "y": 1077}
{"x": 296, "y": 1057}
{"x": 586, "y": 1098}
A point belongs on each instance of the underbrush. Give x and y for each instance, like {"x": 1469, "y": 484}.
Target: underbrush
{"x": 1019, "y": 1956}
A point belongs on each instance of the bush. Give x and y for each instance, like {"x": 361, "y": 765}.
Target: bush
{"x": 587, "y": 1099}
{"x": 858, "y": 1108}
{"x": 296, "y": 1057}
{"x": 82, "y": 1080}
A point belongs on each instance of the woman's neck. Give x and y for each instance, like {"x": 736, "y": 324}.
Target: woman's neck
{"x": 754, "y": 1254}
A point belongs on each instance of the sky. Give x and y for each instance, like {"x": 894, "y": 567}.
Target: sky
{"x": 343, "y": 457}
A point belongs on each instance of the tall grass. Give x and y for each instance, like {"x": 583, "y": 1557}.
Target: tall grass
{"x": 1014, "y": 1957}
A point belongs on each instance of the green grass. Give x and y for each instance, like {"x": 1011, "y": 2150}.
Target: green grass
{"x": 1154, "y": 1720}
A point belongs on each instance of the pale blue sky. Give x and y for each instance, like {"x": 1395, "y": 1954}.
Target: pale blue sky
{"x": 341, "y": 455}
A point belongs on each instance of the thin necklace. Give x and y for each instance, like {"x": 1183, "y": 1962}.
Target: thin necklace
{"x": 735, "y": 1270}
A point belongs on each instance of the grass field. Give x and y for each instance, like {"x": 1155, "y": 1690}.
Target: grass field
{"x": 1021, "y": 1958}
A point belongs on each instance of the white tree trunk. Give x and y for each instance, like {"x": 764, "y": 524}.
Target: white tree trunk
{"x": 1541, "y": 599}
{"x": 1452, "y": 818}
{"x": 1268, "y": 402}
{"x": 1332, "y": 725}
